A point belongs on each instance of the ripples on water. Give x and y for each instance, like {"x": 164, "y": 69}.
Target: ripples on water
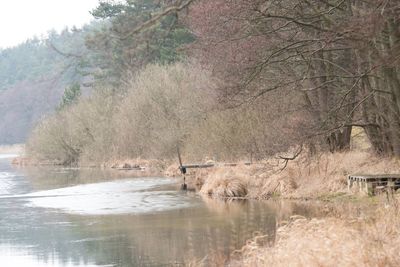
{"x": 67, "y": 217}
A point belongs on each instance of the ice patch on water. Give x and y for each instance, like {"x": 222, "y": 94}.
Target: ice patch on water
{"x": 6, "y": 183}
{"x": 8, "y": 156}
{"x": 119, "y": 197}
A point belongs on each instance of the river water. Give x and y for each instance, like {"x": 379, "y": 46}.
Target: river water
{"x": 71, "y": 217}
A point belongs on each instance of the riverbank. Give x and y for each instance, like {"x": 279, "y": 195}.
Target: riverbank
{"x": 366, "y": 235}
{"x": 341, "y": 233}
{"x": 348, "y": 238}
{"x": 351, "y": 241}
{"x": 320, "y": 177}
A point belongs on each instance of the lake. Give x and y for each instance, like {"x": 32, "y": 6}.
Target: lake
{"x": 89, "y": 217}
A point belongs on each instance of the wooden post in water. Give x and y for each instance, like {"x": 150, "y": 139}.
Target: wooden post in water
{"x": 182, "y": 168}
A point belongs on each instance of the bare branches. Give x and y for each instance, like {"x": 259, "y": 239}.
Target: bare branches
{"x": 287, "y": 159}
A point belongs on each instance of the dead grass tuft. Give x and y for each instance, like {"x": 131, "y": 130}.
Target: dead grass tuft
{"x": 225, "y": 183}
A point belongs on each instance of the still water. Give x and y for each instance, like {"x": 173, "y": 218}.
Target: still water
{"x": 71, "y": 217}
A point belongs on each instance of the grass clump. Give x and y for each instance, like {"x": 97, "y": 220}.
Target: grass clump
{"x": 225, "y": 183}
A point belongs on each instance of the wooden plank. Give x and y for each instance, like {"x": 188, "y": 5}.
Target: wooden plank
{"x": 210, "y": 165}
{"x": 197, "y": 166}
{"x": 378, "y": 176}
{"x": 370, "y": 183}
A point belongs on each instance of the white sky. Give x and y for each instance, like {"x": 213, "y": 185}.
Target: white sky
{"x": 23, "y": 19}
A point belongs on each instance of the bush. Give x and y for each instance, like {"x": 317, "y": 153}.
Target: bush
{"x": 162, "y": 107}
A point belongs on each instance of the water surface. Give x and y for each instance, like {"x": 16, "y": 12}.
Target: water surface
{"x": 71, "y": 217}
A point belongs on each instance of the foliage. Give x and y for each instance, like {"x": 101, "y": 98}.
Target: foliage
{"x": 269, "y": 75}
{"x": 33, "y": 76}
{"x": 71, "y": 95}
{"x": 30, "y": 60}
{"x": 120, "y": 53}
{"x": 59, "y": 54}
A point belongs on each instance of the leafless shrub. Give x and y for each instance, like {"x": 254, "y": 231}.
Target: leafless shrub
{"x": 79, "y": 132}
{"x": 163, "y": 107}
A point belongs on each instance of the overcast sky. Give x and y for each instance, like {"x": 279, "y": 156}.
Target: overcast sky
{"x": 23, "y": 19}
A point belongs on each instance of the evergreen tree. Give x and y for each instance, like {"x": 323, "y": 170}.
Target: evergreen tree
{"x": 71, "y": 95}
{"x": 119, "y": 52}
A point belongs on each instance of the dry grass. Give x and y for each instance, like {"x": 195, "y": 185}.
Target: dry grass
{"x": 226, "y": 182}
{"x": 325, "y": 174}
{"x": 223, "y": 187}
{"x": 306, "y": 177}
{"x": 330, "y": 242}
{"x": 128, "y": 163}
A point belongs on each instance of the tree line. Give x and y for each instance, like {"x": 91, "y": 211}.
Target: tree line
{"x": 278, "y": 74}
{"x": 341, "y": 57}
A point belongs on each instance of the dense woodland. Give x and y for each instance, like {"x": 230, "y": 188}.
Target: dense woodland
{"x": 222, "y": 79}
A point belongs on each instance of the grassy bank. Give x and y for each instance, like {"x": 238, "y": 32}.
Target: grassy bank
{"x": 322, "y": 177}
{"x": 331, "y": 241}
{"x": 367, "y": 234}
{"x": 307, "y": 177}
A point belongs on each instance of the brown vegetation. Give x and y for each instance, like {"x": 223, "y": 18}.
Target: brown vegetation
{"x": 270, "y": 76}
{"x": 372, "y": 241}
{"x": 163, "y": 107}
{"x": 340, "y": 57}
{"x": 225, "y": 183}
{"x": 319, "y": 176}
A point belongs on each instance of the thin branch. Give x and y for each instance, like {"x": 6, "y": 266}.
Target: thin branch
{"x": 287, "y": 159}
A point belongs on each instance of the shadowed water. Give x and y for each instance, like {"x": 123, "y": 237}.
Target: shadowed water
{"x": 70, "y": 217}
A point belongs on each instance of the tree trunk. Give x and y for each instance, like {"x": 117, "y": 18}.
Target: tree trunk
{"x": 339, "y": 140}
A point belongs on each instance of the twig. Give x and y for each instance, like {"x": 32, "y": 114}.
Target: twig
{"x": 287, "y": 159}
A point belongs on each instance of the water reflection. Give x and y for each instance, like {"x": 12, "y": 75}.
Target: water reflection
{"x": 57, "y": 218}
